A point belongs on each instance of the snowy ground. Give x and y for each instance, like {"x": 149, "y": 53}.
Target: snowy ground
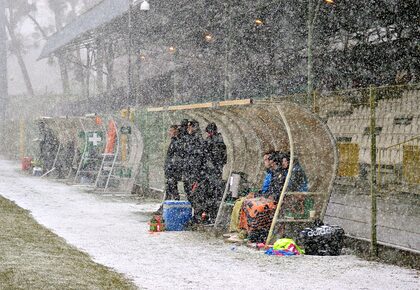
{"x": 114, "y": 232}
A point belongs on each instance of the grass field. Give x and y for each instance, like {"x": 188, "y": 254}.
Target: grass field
{"x": 32, "y": 257}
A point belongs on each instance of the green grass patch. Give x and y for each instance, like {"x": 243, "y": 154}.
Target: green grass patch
{"x": 32, "y": 257}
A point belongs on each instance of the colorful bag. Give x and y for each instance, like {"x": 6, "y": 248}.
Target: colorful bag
{"x": 288, "y": 245}
{"x": 256, "y": 217}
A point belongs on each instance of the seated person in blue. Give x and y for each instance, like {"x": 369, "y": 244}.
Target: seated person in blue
{"x": 268, "y": 173}
{"x": 258, "y": 209}
{"x": 267, "y": 160}
{"x": 277, "y": 164}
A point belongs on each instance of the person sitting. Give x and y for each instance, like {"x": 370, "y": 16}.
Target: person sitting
{"x": 258, "y": 209}
{"x": 266, "y": 183}
{"x": 268, "y": 173}
{"x": 298, "y": 181}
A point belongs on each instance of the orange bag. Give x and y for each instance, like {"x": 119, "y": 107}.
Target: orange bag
{"x": 111, "y": 136}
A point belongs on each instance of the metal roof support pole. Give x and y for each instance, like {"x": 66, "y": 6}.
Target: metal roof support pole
{"x": 289, "y": 173}
{"x": 88, "y": 64}
{"x": 129, "y": 53}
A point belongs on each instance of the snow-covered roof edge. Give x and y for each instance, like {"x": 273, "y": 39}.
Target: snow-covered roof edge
{"x": 99, "y": 15}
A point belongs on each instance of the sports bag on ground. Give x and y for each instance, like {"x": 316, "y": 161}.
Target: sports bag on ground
{"x": 322, "y": 240}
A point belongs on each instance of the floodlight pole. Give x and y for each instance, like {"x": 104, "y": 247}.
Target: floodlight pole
{"x": 144, "y": 6}
{"x": 129, "y": 53}
{"x": 174, "y": 76}
{"x": 3, "y": 61}
{"x": 227, "y": 80}
{"x": 312, "y": 16}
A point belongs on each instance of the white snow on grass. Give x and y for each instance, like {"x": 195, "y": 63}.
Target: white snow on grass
{"x": 115, "y": 233}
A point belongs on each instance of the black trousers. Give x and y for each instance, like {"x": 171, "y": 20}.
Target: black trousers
{"x": 206, "y": 197}
{"x": 214, "y": 193}
{"x": 172, "y": 192}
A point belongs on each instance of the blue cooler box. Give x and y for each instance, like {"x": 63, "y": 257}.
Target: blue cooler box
{"x": 176, "y": 214}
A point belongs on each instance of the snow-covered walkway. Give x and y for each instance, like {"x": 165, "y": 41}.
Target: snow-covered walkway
{"x": 115, "y": 233}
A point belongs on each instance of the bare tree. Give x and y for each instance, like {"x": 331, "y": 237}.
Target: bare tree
{"x": 17, "y": 10}
{"x": 59, "y": 7}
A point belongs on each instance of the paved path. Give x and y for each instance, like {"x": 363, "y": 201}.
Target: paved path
{"x": 114, "y": 232}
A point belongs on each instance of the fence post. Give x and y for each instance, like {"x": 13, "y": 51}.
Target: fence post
{"x": 314, "y": 99}
{"x": 144, "y": 127}
{"x": 373, "y": 245}
{"x": 21, "y": 139}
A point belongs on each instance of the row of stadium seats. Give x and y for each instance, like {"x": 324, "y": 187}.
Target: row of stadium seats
{"x": 398, "y": 120}
{"x": 344, "y": 126}
{"x": 407, "y": 104}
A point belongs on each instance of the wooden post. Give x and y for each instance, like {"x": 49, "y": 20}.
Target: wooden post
{"x": 99, "y": 65}
{"x": 373, "y": 245}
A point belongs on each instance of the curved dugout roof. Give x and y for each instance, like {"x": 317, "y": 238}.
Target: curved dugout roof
{"x": 250, "y": 128}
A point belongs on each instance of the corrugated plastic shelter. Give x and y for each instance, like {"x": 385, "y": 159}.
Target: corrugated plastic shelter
{"x": 101, "y": 151}
{"x": 250, "y": 128}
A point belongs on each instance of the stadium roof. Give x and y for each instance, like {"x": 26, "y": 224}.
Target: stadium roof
{"x": 97, "y": 16}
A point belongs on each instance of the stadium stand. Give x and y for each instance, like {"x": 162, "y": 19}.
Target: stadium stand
{"x": 397, "y": 121}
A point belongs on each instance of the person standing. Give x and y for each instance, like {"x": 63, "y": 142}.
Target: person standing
{"x": 183, "y": 139}
{"x": 215, "y": 157}
{"x": 194, "y": 169}
{"x": 173, "y": 165}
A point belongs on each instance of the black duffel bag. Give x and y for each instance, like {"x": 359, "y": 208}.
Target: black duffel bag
{"x": 322, "y": 240}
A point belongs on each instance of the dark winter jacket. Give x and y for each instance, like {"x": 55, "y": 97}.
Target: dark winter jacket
{"x": 215, "y": 155}
{"x": 276, "y": 185}
{"x": 183, "y": 141}
{"x": 173, "y": 161}
{"x": 298, "y": 181}
{"x": 194, "y": 159}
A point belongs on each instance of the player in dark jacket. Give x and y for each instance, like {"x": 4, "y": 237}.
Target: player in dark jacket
{"x": 194, "y": 169}
{"x": 173, "y": 164}
{"x": 215, "y": 157}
